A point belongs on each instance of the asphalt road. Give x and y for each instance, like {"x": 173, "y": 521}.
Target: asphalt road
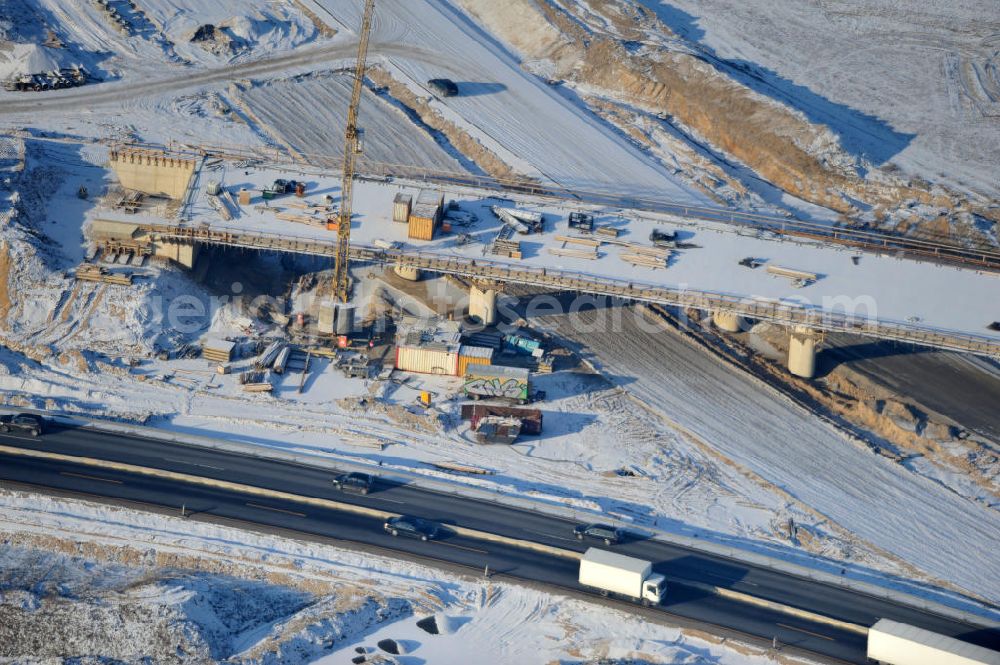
{"x": 963, "y": 388}
{"x": 678, "y": 563}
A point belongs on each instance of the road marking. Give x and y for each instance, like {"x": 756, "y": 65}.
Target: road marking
{"x": 382, "y": 498}
{"x": 83, "y": 475}
{"x": 461, "y": 547}
{"x": 548, "y": 535}
{"x": 8, "y": 435}
{"x": 204, "y": 466}
{"x": 277, "y": 510}
{"x": 807, "y": 632}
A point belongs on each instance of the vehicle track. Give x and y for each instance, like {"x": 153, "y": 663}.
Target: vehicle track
{"x": 119, "y": 91}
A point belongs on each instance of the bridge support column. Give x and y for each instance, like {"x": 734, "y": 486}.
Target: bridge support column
{"x": 802, "y": 351}
{"x": 727, "y": 321}
{"x": 180, "y": 252}
{"x": 483, "y": 305}
{"x": 407, "y": 272}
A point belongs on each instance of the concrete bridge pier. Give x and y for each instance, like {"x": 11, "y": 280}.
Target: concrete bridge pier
{"x": 802, "y": 351}
{"x": 408, "y": 273}
{"x": 483, "y": 305}
{"x": 180, "y": 252}
{"x": 727, "y": 321}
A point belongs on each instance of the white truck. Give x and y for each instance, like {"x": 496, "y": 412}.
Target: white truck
{"x": 894, "y": 643}
{"x": 620, "y": 575}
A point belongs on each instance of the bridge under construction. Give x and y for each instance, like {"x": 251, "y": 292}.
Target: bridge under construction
{"x": 808, "y": 276}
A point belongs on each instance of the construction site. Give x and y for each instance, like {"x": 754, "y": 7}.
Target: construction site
{"x": 414, "y": 243}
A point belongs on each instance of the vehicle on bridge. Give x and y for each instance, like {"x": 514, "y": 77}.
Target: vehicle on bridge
{"x": 894, "y": 643}
{"x": 28, "y": 423}
{"x": 624, "y": 576}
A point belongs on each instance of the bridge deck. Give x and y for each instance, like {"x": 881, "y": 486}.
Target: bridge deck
{"x": 882, "y": 295}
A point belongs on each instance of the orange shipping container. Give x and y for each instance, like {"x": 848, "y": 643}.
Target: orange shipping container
{"x": 421, "y": 228}
{"x": 473, "y": 355}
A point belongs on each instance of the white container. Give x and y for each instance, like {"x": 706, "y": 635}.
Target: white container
{"x": 621, "y": 575}
{"x": 894, "y": 643}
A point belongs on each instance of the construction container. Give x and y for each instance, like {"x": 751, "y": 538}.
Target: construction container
{"x": 531, "y": 419}
{"x": 510, "y": 383}
{"x": 244, "y": 197}
{"x": 401, "y": 208}
{"x": 473, "y": 355}
{"x": 425, "y": 215}
{"x": 497, "y": 429}
{"x": 214, "y": 187}
{"x": 300, "y": 189}
{"x": 430, "y": 358}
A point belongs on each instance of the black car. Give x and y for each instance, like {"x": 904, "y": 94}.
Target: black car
{"x": 443, "y": 87}
{"x": 357, "y": 483}
{"x": 28, "y": 423}
{"x": 414, "y": 527}
{"x": 605, "y": 532}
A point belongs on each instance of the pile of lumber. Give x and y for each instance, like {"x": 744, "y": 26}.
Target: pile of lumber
{"x": 505, "y": 245}
{"x": 581, "y": 248}
{"x": 309, "y": 207}
{"x": 220, "y": 207}
{"x": 218, "y": 350}
{"x": 799, "y": 277}
{"x": 270, "y": 355}
{"x": 89, "y": 272}
{"x": 301, "y": 219}
{"x": 255, "y": 382}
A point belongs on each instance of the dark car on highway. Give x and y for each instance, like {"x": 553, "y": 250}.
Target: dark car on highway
{"x": 443, "y": 87}
{"x": 606, "y": 533}
{"x": 414, "y": 527}
{"x": 356, "y": 483}
{"x": 27, "y": 423}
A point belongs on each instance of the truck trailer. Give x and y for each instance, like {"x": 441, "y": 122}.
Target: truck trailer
{"x": 894, "y": 643}
{"x": 494, "y": 381}
{"x": 624, "y": 576}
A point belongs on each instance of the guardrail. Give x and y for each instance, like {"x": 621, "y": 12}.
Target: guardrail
{"x": 779, "y": 312}
{"x": 933, "y": 249}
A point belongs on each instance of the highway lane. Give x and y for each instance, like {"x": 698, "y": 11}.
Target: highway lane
{"x": 677, "y": 562}
{"x": 503, "y": 560}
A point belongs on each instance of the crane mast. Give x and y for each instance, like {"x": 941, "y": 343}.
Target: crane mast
{"x": 352, "y": 148}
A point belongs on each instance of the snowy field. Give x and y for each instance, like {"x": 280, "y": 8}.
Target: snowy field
{"x": 926, "y": 94}
{"x": 82, "y": 580}
{"x": 503, "y": 106}
{"x": 306, "y": 114}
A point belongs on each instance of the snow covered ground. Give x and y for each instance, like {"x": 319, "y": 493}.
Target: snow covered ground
{"x": 924, "y": 88}
{"x": 788, "y": 447}
{"x": 79, "y": 580}
{"x": 306, "y": 114}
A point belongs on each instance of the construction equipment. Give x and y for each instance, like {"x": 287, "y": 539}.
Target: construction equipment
{"x": 351, "y": 149}
{"x": 581, "y": 220}
{"x": 663, "y": 238}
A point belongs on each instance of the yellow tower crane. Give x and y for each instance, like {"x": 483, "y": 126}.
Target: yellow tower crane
{"x": 352, "y": 147}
